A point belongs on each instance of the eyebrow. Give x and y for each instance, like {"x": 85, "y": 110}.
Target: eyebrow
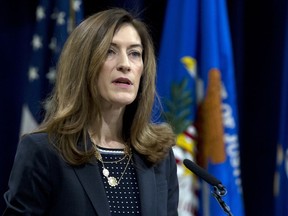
{"x": 131, "y": 46}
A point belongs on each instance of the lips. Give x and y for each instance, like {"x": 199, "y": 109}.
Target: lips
{"x": 122, "y": 80}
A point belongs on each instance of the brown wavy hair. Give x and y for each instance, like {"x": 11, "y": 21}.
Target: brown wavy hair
{"x": 75, "y": 97}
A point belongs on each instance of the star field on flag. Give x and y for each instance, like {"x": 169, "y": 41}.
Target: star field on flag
{"x": 53, "y": 23}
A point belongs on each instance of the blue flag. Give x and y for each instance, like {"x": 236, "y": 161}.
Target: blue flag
{"x": 176, "y": 65}
{"x": 197, "y": 87}
{"x": 281, "y": 174}
{"x": 54, "y": 21}
{"x": 176, "y": 86}
{"x": 215, "y": 53}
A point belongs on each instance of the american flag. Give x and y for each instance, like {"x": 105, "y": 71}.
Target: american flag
{"x": 55, "y": 19}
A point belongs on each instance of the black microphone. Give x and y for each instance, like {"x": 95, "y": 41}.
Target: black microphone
{"x": 202, "y": 173}
{"x": 219, "y": 189}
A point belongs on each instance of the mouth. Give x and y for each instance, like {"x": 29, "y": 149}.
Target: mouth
{"x": 122, "y": 80}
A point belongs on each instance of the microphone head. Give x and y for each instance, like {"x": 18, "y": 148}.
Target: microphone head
{"x": 202, "y": 173}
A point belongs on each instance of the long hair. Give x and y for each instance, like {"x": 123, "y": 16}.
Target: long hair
{"x": 74, "y": 98}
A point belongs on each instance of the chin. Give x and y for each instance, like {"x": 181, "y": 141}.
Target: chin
{"x": 124, "y": 102}
{"x": 124, "y": 99}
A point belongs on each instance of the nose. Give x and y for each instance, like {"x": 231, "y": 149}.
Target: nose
{"x": 123, "y": 63}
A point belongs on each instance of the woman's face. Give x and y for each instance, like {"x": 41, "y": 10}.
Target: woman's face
{"x": 120, "y": 74}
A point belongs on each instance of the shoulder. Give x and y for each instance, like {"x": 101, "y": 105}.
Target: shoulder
{"x": 35, "y": 145}
{"x": 33, "y": 174}
{"x": 35, "y": 156}
{"x": 36, "y": 138}
{"x": 168, "y": 164}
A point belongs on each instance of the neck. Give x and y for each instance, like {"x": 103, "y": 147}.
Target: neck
{"x": 110, "y": 133}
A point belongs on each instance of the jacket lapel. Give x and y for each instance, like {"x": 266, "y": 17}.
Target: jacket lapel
{"x": 147, "y": 186}
{"x": 90, "y": 178}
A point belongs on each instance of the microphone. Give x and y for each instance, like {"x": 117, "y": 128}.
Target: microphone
{"x": 219, "y": 189}
{"x": 202, "y": 173}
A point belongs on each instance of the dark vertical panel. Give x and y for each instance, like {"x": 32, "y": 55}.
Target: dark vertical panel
{"x": 256, "y": 33}
{"x": 16, "y": 23}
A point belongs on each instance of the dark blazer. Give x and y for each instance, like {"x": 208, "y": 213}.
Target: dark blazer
{"x": 41, "y": 183}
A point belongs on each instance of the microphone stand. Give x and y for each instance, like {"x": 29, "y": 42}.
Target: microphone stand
{"x": 218, "y": 192}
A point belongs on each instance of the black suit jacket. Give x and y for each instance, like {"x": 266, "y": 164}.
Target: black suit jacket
{"x": 41, "y": 183}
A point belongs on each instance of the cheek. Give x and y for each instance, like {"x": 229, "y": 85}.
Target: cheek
{"x": 101, "y": 82}
{"x": 138, "y": 75}
{"x": 139, "y": 69}
{"x": 104, "y": 74}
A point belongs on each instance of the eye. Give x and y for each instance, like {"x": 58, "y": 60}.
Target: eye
{"x": 110, "y": 52}
{"x": 135, "y": 54}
